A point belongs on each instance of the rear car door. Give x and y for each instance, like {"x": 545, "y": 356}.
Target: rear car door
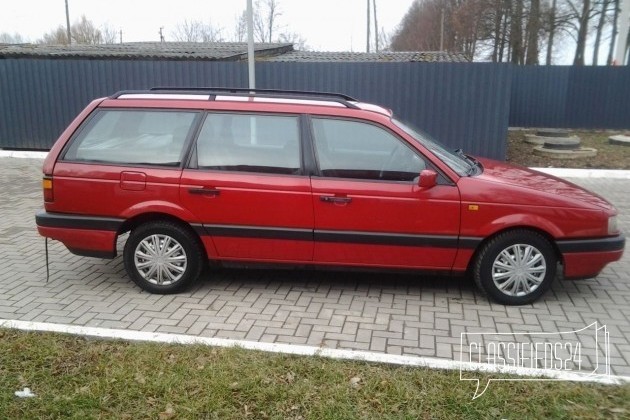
{"x": 368, "y": 207}
{"x": 246, "y": 185}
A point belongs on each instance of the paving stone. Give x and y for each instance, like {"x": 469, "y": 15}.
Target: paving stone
{"x": 395, "y": 313}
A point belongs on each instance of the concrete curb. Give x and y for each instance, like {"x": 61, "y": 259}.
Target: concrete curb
{"x": 586, "y": 173}
{"x": 559, "y": 172}
{"x": 23, "y": 154}
{"x": 301, "y": 350}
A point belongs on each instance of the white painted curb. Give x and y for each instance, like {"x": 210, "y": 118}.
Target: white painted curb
{"x": 427, "y": 362}
{"x": 585, "y": 173}
{"x": 23, "y": 154}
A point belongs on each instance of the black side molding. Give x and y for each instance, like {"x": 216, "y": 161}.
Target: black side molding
{"x": 71, "y": 221}
{"x": 614, "y": 243}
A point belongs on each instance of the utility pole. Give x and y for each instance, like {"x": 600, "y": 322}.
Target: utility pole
{"x": 375, "y": 27}
{"x": 369, "y": 22}
{"x": 121, "y": 36}
{"x": 250, "y": 45}
{"x": 442, "y": 29}
{"x": 68, "y": 24}
{"x": 161, "y": 34}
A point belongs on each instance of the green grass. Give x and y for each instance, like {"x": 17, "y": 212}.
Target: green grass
{"x": 74, "y": 377}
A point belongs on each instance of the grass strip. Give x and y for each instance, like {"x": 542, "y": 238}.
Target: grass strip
{"x": 75, "y": 377}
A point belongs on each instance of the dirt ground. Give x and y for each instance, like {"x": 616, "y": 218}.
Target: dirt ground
{"x": 608, "y": 156}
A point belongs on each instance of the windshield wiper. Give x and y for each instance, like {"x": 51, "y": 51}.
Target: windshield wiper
{"x": 473, "y": 164}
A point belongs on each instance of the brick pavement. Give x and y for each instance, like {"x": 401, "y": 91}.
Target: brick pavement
{"x": 392, "y": 313}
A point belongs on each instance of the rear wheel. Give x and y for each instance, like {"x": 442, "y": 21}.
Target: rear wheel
{"x": 163, "y": 257}
{"x": 516, "y": 267}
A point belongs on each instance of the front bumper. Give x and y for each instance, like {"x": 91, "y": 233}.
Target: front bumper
{"x": 585, "y": 258}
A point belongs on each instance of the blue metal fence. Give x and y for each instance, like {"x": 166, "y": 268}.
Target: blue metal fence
{"x": 463, "y": 104}
{"x": 570, "y": 97}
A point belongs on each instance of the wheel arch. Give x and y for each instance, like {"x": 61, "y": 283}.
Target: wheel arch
{"x": 545, "y": 234}
{"x": 142, "y": 218}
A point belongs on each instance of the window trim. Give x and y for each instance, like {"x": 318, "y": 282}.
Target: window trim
{"x": 193, "y": 159}
{"x": 192, "y": 132}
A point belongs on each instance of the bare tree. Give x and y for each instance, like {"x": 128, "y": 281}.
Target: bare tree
{"x": 57, "y": 36}
{"x": 533, "y": 29}
{"x": 240, "y": 28}
{"x": 7, "y": 38}
{"x": 615, "y": 32}
{"x": 583, "y": 15}
{"x": 109, "y": 35}
{"x": 197, "y": 31}
{"x": 601, "y": 22}
{"x": 266, "y": 14}
{"x": 82, "y": 31}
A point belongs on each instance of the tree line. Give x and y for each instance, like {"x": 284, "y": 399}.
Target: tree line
{"x": 516, "y": 31}
{"x": 266, "y": 29}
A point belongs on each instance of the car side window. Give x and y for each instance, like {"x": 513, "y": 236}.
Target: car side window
{"x": 251, "y": 143}
{"x": 150, "y": 137}
{"x": 353, "y": 149}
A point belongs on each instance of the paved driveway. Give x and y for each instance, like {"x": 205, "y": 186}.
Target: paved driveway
{"x": 397, "y": 314}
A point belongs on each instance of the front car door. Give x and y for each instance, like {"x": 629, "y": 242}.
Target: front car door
{"x": 368, "y": 207}
{"x": 246, "y": 185}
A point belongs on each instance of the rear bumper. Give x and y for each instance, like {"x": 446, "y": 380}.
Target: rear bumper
{"x": 82, "y": 235}
{"x": 588, "y": 257}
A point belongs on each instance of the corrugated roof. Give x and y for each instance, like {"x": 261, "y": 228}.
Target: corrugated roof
{"x": 209, "y": 51}
{"x": 384, "y": 56}
{"x": 227, "y": 51}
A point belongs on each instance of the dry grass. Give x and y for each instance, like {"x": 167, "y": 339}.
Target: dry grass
{"x": 608, "y": 156}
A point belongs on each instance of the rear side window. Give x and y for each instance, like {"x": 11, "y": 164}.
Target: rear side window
{"x": 252, "y": 143}
{"x": 133, "y": 137}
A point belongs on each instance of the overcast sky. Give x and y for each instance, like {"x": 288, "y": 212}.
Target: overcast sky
{"x": 326, "y": 25}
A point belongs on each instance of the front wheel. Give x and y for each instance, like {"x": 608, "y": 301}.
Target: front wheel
{"x": 516, "y": 267}
{"x": 162, "y": 257}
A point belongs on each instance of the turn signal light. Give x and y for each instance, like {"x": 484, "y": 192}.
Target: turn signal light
{"x": 47, "y": 184}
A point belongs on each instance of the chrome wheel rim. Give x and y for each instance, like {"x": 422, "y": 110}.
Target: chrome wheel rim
{"x": 519, "y": 270}
{"x": 160, "y": 259}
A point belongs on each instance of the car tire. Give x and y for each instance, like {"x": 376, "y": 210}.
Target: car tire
{"x": 163, "y": 257}
{"x": 515, "y": 267}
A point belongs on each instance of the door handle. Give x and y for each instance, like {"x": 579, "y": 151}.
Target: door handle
{"x": 212, "y": 192}
{"x": 334, "y": 199}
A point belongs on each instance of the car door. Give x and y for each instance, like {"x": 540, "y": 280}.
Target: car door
{"x": 369, "y": 209}
{"x": 246, "y": 186}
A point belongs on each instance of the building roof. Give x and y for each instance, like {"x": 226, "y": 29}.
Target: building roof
{"x": 383, "y": 56}
{"x": 224, "y": 51}
{"x": 214, "y": 51}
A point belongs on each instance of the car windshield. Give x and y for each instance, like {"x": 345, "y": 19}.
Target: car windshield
{"x": 456, "y": 160}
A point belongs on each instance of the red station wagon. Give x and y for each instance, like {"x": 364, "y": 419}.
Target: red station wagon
{"x": 265, "y": 176}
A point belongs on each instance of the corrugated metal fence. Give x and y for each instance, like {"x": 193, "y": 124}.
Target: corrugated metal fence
{"x": 570, "y": 97}
{"x": 464, "y": 105}
{"x": 467, "y": 105}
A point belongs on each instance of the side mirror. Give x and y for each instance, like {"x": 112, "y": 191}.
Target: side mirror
{"x": 428, "y": 179}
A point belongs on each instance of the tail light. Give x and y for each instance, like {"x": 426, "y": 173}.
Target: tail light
{"x": 47, "y": 184}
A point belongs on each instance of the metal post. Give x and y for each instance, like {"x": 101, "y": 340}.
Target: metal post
{"x": 250, "y": 45}
{"x": 369, "y": 22}
{"x": 68, "y": 24}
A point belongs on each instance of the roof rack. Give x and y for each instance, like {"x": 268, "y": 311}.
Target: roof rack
{"x": 266, "y": 93}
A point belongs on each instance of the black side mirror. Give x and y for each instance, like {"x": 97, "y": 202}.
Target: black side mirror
{"x": 428, "y": 179}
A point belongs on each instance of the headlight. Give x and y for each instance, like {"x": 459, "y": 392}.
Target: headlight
{"x": 613, "y": 226}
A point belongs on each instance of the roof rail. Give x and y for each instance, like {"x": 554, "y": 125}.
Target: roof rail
{"x": 254, "y": 91}
{"x": 266, "y": 93}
